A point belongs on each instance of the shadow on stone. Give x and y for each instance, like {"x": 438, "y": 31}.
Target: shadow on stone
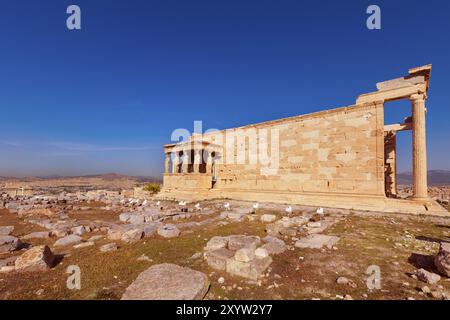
{"x": 421, "y": 261}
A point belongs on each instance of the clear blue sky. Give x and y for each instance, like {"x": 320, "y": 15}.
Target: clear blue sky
{"x": 107, "y": 97}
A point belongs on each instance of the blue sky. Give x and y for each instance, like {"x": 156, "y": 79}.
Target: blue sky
{"x": 107, "y": 97}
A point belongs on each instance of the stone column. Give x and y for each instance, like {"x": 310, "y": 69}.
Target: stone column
{"x": 209, "y": 161}
{"x": 420, "y": 186}
{"x": 197, "y": 160}
{"x": 175, "y": 162}
{"x": 185, "y": 164}
{"x": 167, "y": 163}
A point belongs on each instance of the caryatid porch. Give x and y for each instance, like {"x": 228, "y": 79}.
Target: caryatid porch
{"x": 190, "y": 165}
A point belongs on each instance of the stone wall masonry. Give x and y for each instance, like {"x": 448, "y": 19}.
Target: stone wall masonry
{"x": 333, "y": 151}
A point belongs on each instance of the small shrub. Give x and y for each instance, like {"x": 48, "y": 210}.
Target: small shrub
{"x": 152, "y": 187}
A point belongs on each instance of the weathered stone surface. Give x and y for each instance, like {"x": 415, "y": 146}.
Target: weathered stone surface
{"x": 59, "y": 233}
{"x": 317, "y": 241}
{"x": 115, "y": 233}
{"x": 426, "y": 276}
{"x": 132, "y": 236}
{"x": 168, "y": 282}
{"x": 124, "y": 217}
{"x": 236, "y": 242}
{"x": 37, "y": 235}
{"x": 38, "y": 258}
{"x": 217, "y": 243}
{"x": 84, "y": 245}
{"x": 149, "y": 230}
{"x": 250, "y": 270}
{"x": 245, "y": 254}
{"x": 237, "y": 216}
{"x": 314, "y": 224}
{"x": 9, "y": 244}
{"x": 273, "y": 229}
{"x": 261, "y": 253}
{"x": 217, "y": 259}
{"x": 268, "y": 217}
{"x": 79, "y": 230}
{"x": 442, "y": 259}
{"x": 7, "y": 269}
{"x": 136, "y": 219}
{"x": 95, "y": 238}
{"x": 169, "y": 231}
{"x": 274, "y": 245}
{"x": 108, "y": 247}
{"x": 69, "y": 240}
{"x": 6, "y": 231}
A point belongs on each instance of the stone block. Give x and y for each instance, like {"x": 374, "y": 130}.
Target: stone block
{"x": 217, "y": 259}
{"x": 317, "y": 241}
{"x": 250, "y": 270}
{"x": 237, "y": 242}
{"x": 38, "y": 258}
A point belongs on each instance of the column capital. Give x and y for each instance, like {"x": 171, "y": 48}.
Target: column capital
{"x": 418, "y": 96}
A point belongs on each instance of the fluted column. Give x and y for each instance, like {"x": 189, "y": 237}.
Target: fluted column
{"x": 175, "y": 162}
{"x": 420, "y": 185}
{"x": 167, "y": 163}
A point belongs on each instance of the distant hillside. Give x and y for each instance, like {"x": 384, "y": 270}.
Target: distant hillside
{"x": 435, "y": 177}
{"x": 105, "y": 177}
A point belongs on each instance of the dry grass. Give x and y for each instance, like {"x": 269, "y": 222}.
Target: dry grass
{"x": 365, "y": 240}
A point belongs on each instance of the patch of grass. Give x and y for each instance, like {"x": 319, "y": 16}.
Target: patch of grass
{"x": 365, "y": 240}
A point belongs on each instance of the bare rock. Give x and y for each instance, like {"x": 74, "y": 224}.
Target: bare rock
{"x": 108, "y": 247}
{"x": 169, "y": 231}
{"x": 217, "y": 259}
{"x": 37, "y": 235}
{"x": 274, "y": 245}
{"x": 346, "y": 281}
{"x": 6, "y": 231}
{"x": 261, "y": 253}
{"x": 442, "y": 259}
{"x": 136, "y": 219}
{"x": 115, "y": 233}
{"x": 216, "y": 243}
{"x": 84, "y": 245}
{"x": 268, "y": 218}
{"x": 168, "y": 282}
{"x": 317, "y": 241}
{"x": 38, "y": 258}
{"x": 250, "y": 270}
{"x": 245, "y": 254}
{"x": 9, "y": 244}
{"x": 124, "y": 217}
{"x": 69, "y": 240}
{"x": 426, "y": 276}
{"x": 132, "y": 236}
{"x": 79, "y": 230}
{"x": 237, "y": 242}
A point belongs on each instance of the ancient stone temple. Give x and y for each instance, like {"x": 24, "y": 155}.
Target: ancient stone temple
{"x": 344, "y": 157}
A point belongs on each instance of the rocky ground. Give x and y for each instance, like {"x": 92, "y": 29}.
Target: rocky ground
{"x": 149, "y": 249}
